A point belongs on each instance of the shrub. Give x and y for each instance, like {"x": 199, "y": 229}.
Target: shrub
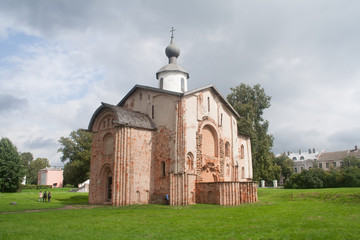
{"x": 318, "y": 178}
{"x": 36, "y": 186}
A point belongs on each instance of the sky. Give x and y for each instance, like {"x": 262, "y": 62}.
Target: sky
{"x": 60, "y": 59}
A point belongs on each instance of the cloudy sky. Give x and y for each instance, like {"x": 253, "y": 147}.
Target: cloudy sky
{"x": 60, "y": 59}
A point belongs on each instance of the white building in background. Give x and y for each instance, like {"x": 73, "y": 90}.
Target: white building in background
{"x": 303, "y": 160}
{"x": 325, "y": 160}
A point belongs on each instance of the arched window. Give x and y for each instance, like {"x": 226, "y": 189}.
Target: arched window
{"x": 190, "y": 160}
{"x": 138, "y": 197}
{"x": 108, "y": 142}
{"x": 227, "y": 149}
{"x": 236, "y": 173}
{"x": 163, "y": 171}
{"x": 295, "y": 170}
{"x": 209, "y": 141}
{"x": 294, "y": 158}
{"x": 242, "y": 172}
{"x": 242, "y": 154}
{"x": 182, "y": 84}
{"x": 302, "y": 158}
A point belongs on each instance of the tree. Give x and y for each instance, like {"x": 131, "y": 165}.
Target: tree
{"x": 351, "y": 161}
{"x": 35, "y": 167}
{"x": 250, "y": 103}
{"x": 11, "y": 167}
{"x": 26, "y": 159}
{"x": 286, "y": 165}
{"x": 76, "y": 150}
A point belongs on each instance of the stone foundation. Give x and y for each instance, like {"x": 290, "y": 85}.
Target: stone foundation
{"x": 226, "y": 193}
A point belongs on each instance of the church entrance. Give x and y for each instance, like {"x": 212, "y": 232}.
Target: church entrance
{"x": 106, "y": 184}
{"x": 109, "y": 189}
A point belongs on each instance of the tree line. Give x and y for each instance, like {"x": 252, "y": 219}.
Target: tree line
{"x": 15, "y": 166}
{"x": 347, "y": 175}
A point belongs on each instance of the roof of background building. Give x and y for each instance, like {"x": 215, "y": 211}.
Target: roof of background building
{"x": 304, "y": 155}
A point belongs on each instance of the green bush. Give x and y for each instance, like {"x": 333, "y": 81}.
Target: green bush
{"x": 69, "y": 185}
{"x": 36, "y": 186}
{"x": 318, "y": 178}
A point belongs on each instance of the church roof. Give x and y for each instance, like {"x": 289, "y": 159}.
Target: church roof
{"x": 217, "y": 93}
{"x": 124, "y": 117}
{"x": 137, "y": 86}
{"x": 211, "y": 87}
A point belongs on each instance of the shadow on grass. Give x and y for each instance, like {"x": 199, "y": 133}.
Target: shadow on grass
{"x": 78, "y": 199}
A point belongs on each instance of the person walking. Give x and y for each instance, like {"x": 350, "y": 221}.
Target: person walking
{"x": 40, "y": 196}
{"x": 49, "y": 196}
{"x": 44, "y": 197}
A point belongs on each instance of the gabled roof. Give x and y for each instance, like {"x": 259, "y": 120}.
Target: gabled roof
{"x": 338, "y": 155}
{"x": 217, "y": 93}
{"x": 211, "y": 87}
{"x": 137, "y": 86}
{"x": 124, "y": 117}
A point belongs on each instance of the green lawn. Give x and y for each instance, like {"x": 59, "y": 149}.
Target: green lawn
{"x": 279, "y": 214}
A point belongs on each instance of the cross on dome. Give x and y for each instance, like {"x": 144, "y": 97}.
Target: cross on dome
{"x": 172, "y": 32}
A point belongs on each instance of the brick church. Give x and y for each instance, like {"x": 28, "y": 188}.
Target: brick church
{"x": 170, "y": 141}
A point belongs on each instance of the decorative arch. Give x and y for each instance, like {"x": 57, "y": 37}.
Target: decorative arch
{"x": 209, "y": 151}
{"x": 106, "y": 181}
{"x": 108, "y": 144}
{"x": 190, "y": 161}
{"x": 210, "y": 141}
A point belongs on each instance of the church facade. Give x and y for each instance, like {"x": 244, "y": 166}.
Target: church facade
{"x": 170, "y": 141}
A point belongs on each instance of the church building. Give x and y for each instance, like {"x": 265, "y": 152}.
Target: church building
{"x": 170, "y": 141}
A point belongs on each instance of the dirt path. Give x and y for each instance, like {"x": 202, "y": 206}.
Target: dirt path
{"x": 43, "y": 210}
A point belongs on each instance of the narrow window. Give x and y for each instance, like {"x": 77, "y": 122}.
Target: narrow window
{"x": 163, "y": 172}
{"x": 138, "y": 197}
{"x": 182, "y": 85}
{"x": 334, "y": 164}
{"x": 327, "y": 165}
{"x": 161, "y": 83}
{"x": 140, "y": 96}
{"x": 208, "y": 104}
{"x": 320, "y": 165}
{"x": 242, "y": 152}
{"x": 295, "y": 170}
{"x": 221, "y": 117}
{"x": 152, "y": 111}
{"x": 227, "y": 149}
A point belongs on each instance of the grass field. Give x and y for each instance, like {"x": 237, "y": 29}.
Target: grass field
{"x": 279, "y": 214}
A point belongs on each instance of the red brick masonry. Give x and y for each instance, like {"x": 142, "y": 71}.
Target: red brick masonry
{"x": 226, "y": 193}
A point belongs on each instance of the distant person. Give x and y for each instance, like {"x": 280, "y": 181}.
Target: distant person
{"x": 44, "y": 197}
{"x": 49, "y": 196}
{"x": 40, "y": 196}
{"x": 167, "y": 199}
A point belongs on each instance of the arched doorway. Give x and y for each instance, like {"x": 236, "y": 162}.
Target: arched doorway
{"x": 107, "y": 183}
